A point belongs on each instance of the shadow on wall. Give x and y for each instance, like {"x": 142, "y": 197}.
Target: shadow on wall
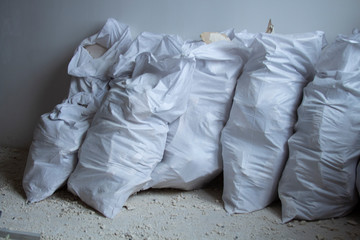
{"x": 55, "y": 88}
{"x": 25, "y": 103}
{"x": 52, "y": 92}
{"x": 55, "y": 82}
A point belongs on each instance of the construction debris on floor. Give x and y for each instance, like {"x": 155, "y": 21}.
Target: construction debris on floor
{"x": 152, "y": 214}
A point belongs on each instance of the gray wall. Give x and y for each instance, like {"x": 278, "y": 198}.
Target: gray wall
{"x": 38, "y": 37}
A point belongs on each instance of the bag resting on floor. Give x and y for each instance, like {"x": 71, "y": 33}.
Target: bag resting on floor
{"x": 320, "y": 175}
{"x": 127, "y": 137}
{"x": 254, "y": 140}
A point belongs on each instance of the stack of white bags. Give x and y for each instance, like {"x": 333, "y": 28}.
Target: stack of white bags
{"x": 160, "y": 112}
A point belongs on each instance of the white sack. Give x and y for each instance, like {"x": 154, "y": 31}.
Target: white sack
{"x": 127, "y": 137}
{"x": 192, "y": 155}
{"x": 262, "y": 116}
{"x": 59, "y": 134}
{"x": 319, "y": 178}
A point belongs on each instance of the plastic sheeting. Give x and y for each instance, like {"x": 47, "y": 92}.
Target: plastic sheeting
{"x": 91, "y": 74}
{"x": 262, "y": 117}
{"x": 157, "y": 44}
{"x": 193, "y": 155}
{"x": 319, "y": 179}
{"x": 59, "y": 134}
{"x": 127, "y": 137}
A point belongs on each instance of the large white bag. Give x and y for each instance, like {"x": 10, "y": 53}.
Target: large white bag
{"x": 254, "y": 140}
{"x": 59, "y": 134}
{"x": 127, "y": 137}
{"x": 319, "y": 178}
{"x": 192, "y": 155}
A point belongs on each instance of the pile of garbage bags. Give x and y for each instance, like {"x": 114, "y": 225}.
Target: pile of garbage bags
{"x": 277, "y": 114}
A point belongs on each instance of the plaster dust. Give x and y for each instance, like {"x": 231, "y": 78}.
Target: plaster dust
{"x": 152, "y": 214}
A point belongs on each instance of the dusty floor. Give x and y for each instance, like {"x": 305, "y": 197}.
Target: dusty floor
{"x": 153, "y": 214}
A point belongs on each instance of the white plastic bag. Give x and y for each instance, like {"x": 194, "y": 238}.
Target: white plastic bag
{"x": 59, "y": 134}
{"x": 127, "y": 137}
{"x": 192, "y": 155}
{"x": 254, "y": 140}
{"x": 319, "y": 178}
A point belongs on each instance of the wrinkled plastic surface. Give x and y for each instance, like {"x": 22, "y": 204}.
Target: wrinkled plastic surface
{"x": 90, "y": 74}
{"x": 157, "y": 44}
{"x": 254, "y": 140}
{"x": 127, "y": 137}
{"x": 244, "y": 38}
{"x": 59, "y": 134}
{"x": 192, "y": 155}
{"x": 319, "y": 179}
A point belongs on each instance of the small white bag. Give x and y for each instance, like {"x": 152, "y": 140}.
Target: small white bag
{"x": 319, "y": 178}
{"x": 59, "y": 134}
{"x": 254, "y": 140}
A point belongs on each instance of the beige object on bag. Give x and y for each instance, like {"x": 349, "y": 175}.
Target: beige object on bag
{"x": 270, "y": 27}
{"x": 210, "y": 37}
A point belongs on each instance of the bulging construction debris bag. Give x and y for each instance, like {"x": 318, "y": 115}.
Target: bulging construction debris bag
{"x": 254, "y": 140}
{"x": 192, "y": 155}
{"x": 319, "y": 178}
{"x": 59, "y": 134}
{"x": 127, "y": 137}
